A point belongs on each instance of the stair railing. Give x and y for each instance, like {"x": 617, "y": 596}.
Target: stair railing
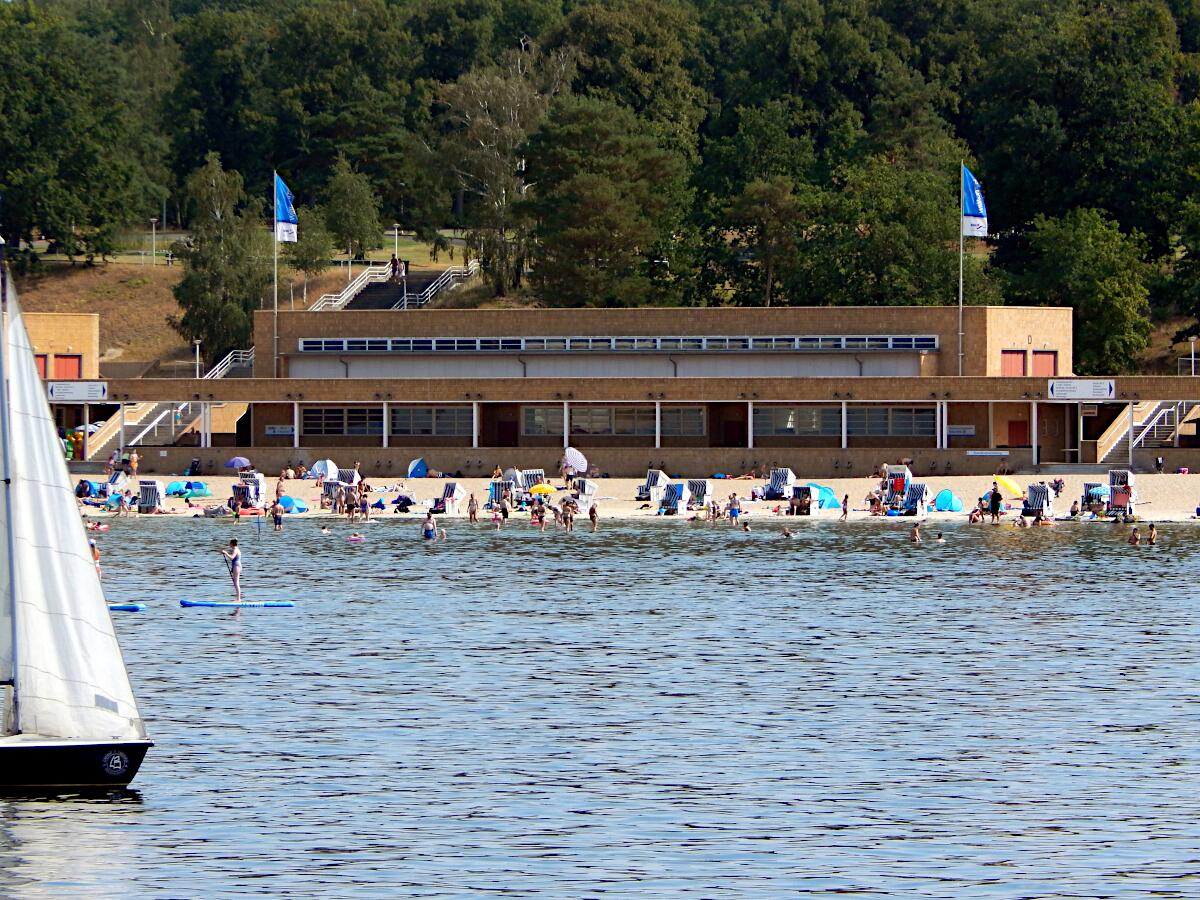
{"x": 369, "y": 275}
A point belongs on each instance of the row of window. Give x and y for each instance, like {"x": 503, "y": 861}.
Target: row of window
{"x": 809, "y": 421}
{"x": 676, "y": 421}
{"x": 617, "y": 344}
{"x": 367, "y": 421}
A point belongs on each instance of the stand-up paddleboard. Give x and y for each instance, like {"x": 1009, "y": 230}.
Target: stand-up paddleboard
{"x": 233, "y": 604}
{"x": 127, "y": 607}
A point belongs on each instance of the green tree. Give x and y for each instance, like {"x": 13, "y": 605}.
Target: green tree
{"x": 766, "y": 223}
{"x": 68, "y": 164}
{"x": 313, "y": 248}
{"x": 352, "y": 210}
{"x": 489, "y": 115}
{"x": 226, "y": 262}
{"x": 606, "y": 200}
{"x": 1083, "y": 260}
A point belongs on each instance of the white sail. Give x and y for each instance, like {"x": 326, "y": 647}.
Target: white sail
{"x": 71, "y": 681}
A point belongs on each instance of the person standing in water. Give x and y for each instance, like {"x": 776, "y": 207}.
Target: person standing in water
{"x": 233, "y": 559}
{"x": 845, "y": 507}
{"x": 1135, "y": 537}
{"x": 594, "y": 516}
{"x": 915, "y": 535}
{"x": 472, "y": 509}
{"x": 994, "y": 504}
{"x": 430, "y": 530}
{"x": 96, "y": 557}
{"x": 1152, "y": 535}
{"x": 277, "y": 515}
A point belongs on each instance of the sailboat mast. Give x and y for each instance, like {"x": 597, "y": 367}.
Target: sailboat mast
{"x": 6, "y": 476}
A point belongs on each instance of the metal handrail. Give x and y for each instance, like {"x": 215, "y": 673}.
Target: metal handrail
{"x": 235, "y": 359}
{"x": 451, "y": 275}
{"x": 346, "y": 294}
{"x": 1148, "y": 424}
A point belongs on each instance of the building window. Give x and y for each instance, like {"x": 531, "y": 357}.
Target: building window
{"x": 885, "y": 421}
{"x": 682, "y": 421}
{"x": 1012, "y": 363}
{"x": 354, "y": 421}
{"x": 797, "y": 420}
{"x": 606, "y": 420}
{"x": 443, "y": 421}
{"x": 542, "y": 420}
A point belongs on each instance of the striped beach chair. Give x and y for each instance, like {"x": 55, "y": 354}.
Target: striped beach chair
{"x": 651, "y": 489}
{"x": 675, "y": 499}
{"x": 916, "y": 499}
{"x": 1039, "y": 500}
{"x": 701, "y": 490}
{"x": 779, "y": 484}
{"x": 151, "y": 496}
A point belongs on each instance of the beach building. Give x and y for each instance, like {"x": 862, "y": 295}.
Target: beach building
{"x": 822, "y": 391}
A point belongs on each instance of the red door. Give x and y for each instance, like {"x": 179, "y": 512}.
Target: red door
{"x": 40, "y": 359}
{"x": 1018, "y": 434}
{"x": 68, "y": 366}
{"x": 1045, "y": 363}
{"x": 1012, "y": 363}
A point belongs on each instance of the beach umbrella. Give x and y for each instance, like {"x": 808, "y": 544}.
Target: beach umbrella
{"x": 541, "y": 489}
{"x": 238, "y": 462}
{"x": 326, "y": 468}
{"x": 417, "y": 469}
{"x": 1007, "y": 484}
{"x": 573, "y": 459}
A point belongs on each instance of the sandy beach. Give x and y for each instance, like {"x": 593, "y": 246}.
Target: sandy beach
{"x": 1163, "y": 498}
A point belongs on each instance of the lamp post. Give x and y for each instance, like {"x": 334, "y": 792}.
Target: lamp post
{"x": 396, "y": 239}
{"x": 153, "y": 238}
{"x": 197, "y": 345}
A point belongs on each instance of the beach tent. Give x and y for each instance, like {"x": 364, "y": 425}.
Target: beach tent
{"x": 824, "y": 496}
{"x": 947, "y": 501}
{"x": 417, "y": 469}
{"x": 323, "y": 468}
{"x": 176, "y": 489}
{"x": 197, "y": 489}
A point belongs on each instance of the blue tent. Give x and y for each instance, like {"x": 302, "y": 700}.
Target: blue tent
{"x": 417, "y": 469}
{"x": 947, "y": 501}
{"x": 825, "y": 497}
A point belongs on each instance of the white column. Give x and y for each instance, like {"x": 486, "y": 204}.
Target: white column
{"x": 387, "y": 425}
{"x": 1079, "y": 432}
{"x": 845, "y": 430}
{"x": 296, "y": 425}
{"x": 1131, "y": 435}
{"x": 121, "y": 445}
{"x": 1033, "y": 429}
{"x": 657, "y": 424}
{"x": 475, "y": 424}
{"x": 945, "y": 425}
{"x": 87, "y": 421}
{"x": 566, "y": 424}
{"x": 750, "y": 424}
{"x": 937, "y": 425}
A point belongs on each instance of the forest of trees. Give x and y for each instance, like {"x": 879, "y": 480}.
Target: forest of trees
{"x": 612, "y": 152}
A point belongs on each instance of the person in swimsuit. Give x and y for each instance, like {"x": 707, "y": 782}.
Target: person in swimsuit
{"x": 430, "y": 530}
{"x": 233, "y": 557}
{"x": 915, "y": 534}
{"x": 472, "y": 509}
{"x": 735, "y": 509}
{"x": 1135, "y": 537}
{"x": 96, "y": 557}
{"x": 594, "y": 516}
{"x": 277, "y": 515}
{"x": 1152, "y": 536}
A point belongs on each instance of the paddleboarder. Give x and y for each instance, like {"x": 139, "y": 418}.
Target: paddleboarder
{"x": 233, "y": 560}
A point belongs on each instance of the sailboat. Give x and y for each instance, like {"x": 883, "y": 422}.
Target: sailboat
{"x": 69, "y": 717}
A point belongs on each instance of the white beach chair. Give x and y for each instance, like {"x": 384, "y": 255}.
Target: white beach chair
{"x": 151, "y": 496}
{"x": 916, "y": 499}
{"x": 675, "y": 499}
{"x": 779, "y": 484}
{"x": 701, "y": 490}
{"x": 1039, "y": 500}
{"x": 652, "y": 488}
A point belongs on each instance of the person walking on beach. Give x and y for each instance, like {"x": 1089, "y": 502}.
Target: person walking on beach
{"x": 233, "y": 559}
{"x": 845, "y": 507}
{"x": 134, "y": 459}
{"x": 994, "y": 501}
{"x": 472, "y": 509}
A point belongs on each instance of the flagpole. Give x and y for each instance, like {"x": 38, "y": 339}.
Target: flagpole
{"x": 961, "y": 200}
{"x": 275, "y": 243}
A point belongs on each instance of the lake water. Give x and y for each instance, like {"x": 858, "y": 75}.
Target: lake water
{"x": 655, "y": 710}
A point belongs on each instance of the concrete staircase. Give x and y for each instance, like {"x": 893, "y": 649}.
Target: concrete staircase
{"x": 388, "y": 295}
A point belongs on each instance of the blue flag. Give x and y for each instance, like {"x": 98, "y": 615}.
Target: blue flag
{"x": 285, "y": 213}
{"x": 974, "y": 210}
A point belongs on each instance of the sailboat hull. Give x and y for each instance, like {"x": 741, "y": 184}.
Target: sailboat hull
{"x": 36, "y": 765}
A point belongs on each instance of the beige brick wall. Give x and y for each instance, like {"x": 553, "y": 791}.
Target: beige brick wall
{"x": 66, "y": 333}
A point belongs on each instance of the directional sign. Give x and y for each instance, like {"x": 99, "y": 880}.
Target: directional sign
{"x": 1081, "y": 389}
{"x": 77, "y": 391}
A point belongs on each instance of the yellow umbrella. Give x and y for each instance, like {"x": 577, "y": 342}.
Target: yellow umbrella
{"x": 1007, "y": 484}
{"x": 541, "y": 489}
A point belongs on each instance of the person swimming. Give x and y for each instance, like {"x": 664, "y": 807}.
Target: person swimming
{"x": 787, "y": 532}
{"x": 325, "y": 529}
{"x": 939, "y": 539}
